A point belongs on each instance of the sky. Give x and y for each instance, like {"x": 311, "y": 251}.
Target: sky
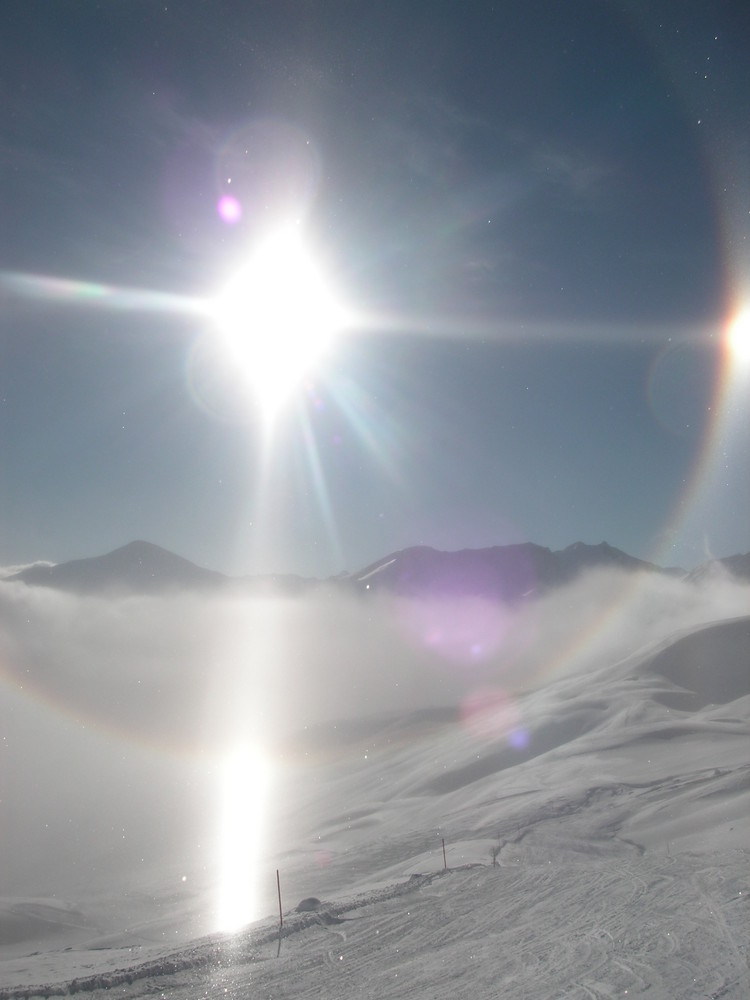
{"x": 536, "y": 214}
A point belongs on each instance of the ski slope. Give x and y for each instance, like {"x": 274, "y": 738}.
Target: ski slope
{"x": 623, "y": 835}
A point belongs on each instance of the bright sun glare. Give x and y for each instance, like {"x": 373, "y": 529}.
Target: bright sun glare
{"x": 245, "y": 788}
{"x": 278, "y": 316}
{"x": 738, "y": 338}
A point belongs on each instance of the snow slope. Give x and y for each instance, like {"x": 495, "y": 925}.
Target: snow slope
{"x": 619, "y": 799}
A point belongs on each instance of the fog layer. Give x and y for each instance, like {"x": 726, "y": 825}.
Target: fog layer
{"x": 118, "y": 713}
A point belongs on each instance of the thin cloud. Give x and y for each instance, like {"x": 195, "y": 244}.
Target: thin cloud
{"x": 577, "y": 173}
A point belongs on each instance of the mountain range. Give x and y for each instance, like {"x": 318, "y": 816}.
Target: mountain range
{"x": 506, "y": 573}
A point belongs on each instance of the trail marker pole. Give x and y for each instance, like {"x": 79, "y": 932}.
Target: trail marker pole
{"x": 445, "y": 863}
{"x": 278, "y": 886}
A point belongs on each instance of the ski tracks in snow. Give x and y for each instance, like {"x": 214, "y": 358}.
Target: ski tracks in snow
{"x": 624, "y": 925}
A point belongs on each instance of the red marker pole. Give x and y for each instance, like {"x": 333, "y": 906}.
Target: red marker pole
{"x": 445, "y": 863}
{"x": 278, "y": 886}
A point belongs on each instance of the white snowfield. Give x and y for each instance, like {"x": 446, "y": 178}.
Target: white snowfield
{"x": 619, "y": 824}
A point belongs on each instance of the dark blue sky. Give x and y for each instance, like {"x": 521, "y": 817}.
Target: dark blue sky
{"x": 543, "y": 205}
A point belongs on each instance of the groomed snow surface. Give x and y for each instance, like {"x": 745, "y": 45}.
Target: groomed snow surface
{"x": 619, "y": 821}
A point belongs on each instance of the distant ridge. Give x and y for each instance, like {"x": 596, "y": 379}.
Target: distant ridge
{"x": 137, "y": 567}
{"x": 503, "y": 572}
{"x": 506, "y": 573}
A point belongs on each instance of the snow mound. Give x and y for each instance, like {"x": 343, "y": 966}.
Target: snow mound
{"x": 712, "y": 665}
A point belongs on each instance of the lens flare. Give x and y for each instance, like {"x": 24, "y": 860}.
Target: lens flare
{"x": 229, "y": 209}
{"x": 244, "y": 794}
{"x": 490, "y": 714}
{"x": 93, "y": 295}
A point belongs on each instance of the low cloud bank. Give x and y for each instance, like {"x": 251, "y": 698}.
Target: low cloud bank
{"x": 190, "y": 672}
{"x": 117, "y": 712}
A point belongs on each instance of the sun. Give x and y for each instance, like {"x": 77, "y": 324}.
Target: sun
{"x": 277, "y": 317}
{"x": 738, "y": 338}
